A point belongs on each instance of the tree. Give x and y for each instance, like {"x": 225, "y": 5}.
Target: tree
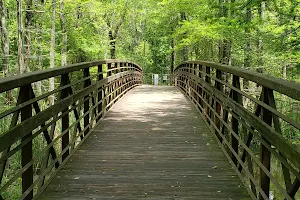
{"x": 113, "y": 29}
{"x": 39, "y": 44}
{"x": 5, "y": 46}
{"x": 64, "y": 34}
{"x": 27, "y": 39}
{"x": 262, "y": 15}
{"x": 20, "y": 36}
{"x": 52, "y": 50}
{"x": 185, "y": 51}
{"x": 248, "y": 47}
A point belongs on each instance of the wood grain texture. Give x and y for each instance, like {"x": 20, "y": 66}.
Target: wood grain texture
{"x": 286, "y": 87}
{"x": 152, "y": 145}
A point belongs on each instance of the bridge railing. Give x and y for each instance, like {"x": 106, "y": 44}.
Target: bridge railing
{"x": 38, "y": 138}
{"x": 252, "y": 119}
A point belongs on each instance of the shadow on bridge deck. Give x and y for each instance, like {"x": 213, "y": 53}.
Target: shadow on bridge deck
{"x": 152, "y": 144}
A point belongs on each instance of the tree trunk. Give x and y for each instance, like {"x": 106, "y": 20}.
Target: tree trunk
{"x": 39, "y": 41}
{"x": 172, "y": 55}
{"x": 185, "y": 51}
{"x": 261, "y": 12}
{"x": 112, "y": 43}
{"x": 113, "y": 32}
{"x": 5, "y": 46}
{"x": 52, "y": 50}
{"x": 225, "y": 52}
{"x": 248, "y": 47}
{"x": 27, "y": 39}
{"x": 20, "y": 37}
{"x": 64, "y": 34}
{"x": 284, "y": 72}
{"x": 225, "y": 44}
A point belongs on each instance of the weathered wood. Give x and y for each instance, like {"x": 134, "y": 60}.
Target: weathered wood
{"x": 295, "y": 187}
{"x": 251, "y": 154}
{"x": 26, "y": 113}
{"x": 19, "y": 131}
{"x": 100, "y": 97}
{"x": 218, "y": 108}
{"x": 249, "y": 137}
{"x": 249, "y": 172}
{"x": 285, "y": 170}
{"x": 134, "y": 153}
{"x": 234, "y": 121}
{"x": 257, "y": 101}
{"x": 265, "y": 154}
{"x": 47, "y": 136}
{"x": 13, "y": 123}
{"x": 76, "y": 112}
{"x": 288, "y": 88}
{"x": 43, "y": 119}
{"x": 65, "y": 119}
{"x": 26, "y": 78}
{"x": 206, "y": 95}
{"x": 270, "y": 134}
{"x": 269, "y": 138}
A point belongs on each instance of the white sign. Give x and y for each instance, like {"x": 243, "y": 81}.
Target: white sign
{"x": 155, "y": 79}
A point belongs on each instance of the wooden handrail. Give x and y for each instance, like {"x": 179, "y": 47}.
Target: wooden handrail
{"x": 31, "y": 77}
{"x": 282, "y": 86}
{"x": 246, "y": 124}
{"x": 84, "y": 93}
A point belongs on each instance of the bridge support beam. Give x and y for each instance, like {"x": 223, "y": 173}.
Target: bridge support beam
{"x": 27, "y": 175}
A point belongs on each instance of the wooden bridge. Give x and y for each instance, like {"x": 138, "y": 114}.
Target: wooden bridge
{"x": 219, "y": 133}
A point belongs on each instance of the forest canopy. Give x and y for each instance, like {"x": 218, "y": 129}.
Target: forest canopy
{"x": 156, "y": 34}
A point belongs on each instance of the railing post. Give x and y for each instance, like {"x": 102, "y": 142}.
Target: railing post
{"x": 218, "y": 108}
{"x": 109, "y": 69}
{"x": 109, "y": 86}
{"x": 200, "y": 68}
{"x": 189, "y": 81}
{"x": 86, "y": 105}
{"x": 235, "y": 123}
{"x": 65, "y": 119}
{"x": 123, "y": 79}
{"x": 116, "y": 84}
{"x": 207, "y": 96}
{"x": 194, "y": 84}
{"x": 265, "y": 154}
{"x": 100, "y": 97}
{"x": 121, "y": 67}
{"x": 27, "y": 175}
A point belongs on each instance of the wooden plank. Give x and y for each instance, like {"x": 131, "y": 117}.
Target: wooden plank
{"x": 156, "y": 148}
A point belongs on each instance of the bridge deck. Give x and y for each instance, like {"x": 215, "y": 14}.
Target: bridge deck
{"x": 154, "y": 145}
